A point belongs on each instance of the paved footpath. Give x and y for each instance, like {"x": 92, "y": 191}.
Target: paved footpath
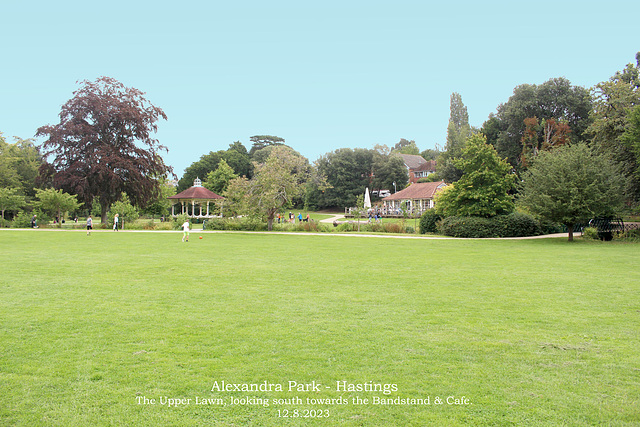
{"x": 330, "y": 220}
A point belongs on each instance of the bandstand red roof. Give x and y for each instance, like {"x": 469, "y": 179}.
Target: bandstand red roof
{"x": 196, "y": 193}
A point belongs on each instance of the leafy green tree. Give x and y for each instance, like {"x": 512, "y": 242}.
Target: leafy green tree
{"x": 261, "y": 141}
{"x": 348, "y": 172}
{"x": 104, "y": 145}
{"x": 218, "y": 180}
{"x": 236, "y": 198}
{"x": 199, "y": 169}
{"x": 125, "y": 210}
{"x": 10, "y": 200}
{"x": 555, "y": 99}
{"x": 431, "y": 153}
{"x": 387, "y": 170}
{"x": 571, "y": 184}
{"x": 358, "y": 210}
{"x": 613, "y": 109}
{"x": 458, "y": 130}
{"x": 238, "y": 158}
{"x": 274, "y": 184}
{"x": 483, "y": 189}
{"x": 406, "y": 147}
{"x": 19, "y": 164}
{"x": 160, "y": 205}
{"x": 235, "y": 156}
{"x": 315, "y": 186}
{"x": 56, "y": 202}
{"x": 8, "y": 173}
{"x": 631, "y": 137}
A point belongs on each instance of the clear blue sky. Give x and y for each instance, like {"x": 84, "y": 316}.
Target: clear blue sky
{"x": 322, "y": 75}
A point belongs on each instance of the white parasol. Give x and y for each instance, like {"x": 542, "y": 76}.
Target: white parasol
{"x": 367, "y": 199}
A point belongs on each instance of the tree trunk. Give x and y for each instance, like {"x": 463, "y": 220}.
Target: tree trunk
{"x": 270, "y": 223}
{"x": 570, "y": 230}
{"x": 103, "y": 214}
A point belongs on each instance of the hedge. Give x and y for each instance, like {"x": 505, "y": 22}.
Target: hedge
{"x": 512, "y": 225}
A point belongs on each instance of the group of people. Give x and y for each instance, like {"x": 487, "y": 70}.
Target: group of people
{"x": 292, "y": 218}
{"x": 374, "y": 217}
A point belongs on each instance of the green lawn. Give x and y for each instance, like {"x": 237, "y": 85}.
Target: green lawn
{"x": 531, "y": 332}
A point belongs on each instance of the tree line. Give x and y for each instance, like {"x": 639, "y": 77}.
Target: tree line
{"x": 103, "y": 148}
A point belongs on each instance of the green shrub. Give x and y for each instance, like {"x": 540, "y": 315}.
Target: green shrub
{"x": 517, "y": 225}
{"x": 238, "y": 224}
{"x": 166, "y": 225}
{"x": 630, "y": 236}
{"x": 512, "y": 225}
{"x": 150, "y": 225}
{"x": 410, "y": 230}
{"x": 127, "y": 213}
{"x": 428, "y": 222}
{"x": 177, "y": 222}
{"x": 590, "y": 233}
{"x": 23, "y": 220}
{"x": 347, "y": 226}
{"x": 467, "y": 226}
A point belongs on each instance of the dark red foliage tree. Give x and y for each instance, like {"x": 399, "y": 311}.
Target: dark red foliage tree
{"x": 103, "y": 145}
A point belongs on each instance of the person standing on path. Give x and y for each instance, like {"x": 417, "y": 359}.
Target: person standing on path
{"x": 115, "y": 223}
{"x": 89, "y": 225}
{"x": 33, "y": 222}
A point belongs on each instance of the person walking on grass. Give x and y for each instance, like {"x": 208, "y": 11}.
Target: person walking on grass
{"x": 115, "y": 223}
{"x": 89, "y": 225}
{"x": 185, "y": 233}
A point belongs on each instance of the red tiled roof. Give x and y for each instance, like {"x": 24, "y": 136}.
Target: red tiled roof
{"x": 429, "y": 166}
{"x": 424, "y": 190}
{"x": 198, "y": 193}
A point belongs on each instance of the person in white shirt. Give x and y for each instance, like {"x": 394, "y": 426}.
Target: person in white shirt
{"x": 185, "y": 234}
{"x": 115, "y": 223}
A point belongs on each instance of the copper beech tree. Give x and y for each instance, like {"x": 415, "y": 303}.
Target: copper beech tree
{"x": 103, "y": 145}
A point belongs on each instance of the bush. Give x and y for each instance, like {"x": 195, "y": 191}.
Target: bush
{"x": 470, "y": 227}
{"x": 167, "y": 225}
{"x": 311, "y": 226}
{"x": 149, "y": 225}
{"x": 127, "y": 213}
{"x": 177, "y": 222}
{"x": 517, "y": 225}
{"x": 347, "y": 226}
{"x": 23, "y": 220}
{"x": 590, "y": 233}
{"x": 428, "y": 222}
{"x": 512, "y": 225}
{"x": 394, "y": 227}
{"x": 629, "y": 236}
{"x": 236, "y": 224}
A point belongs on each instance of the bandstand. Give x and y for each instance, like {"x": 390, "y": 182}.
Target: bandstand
{"x": 196, "y": 198}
